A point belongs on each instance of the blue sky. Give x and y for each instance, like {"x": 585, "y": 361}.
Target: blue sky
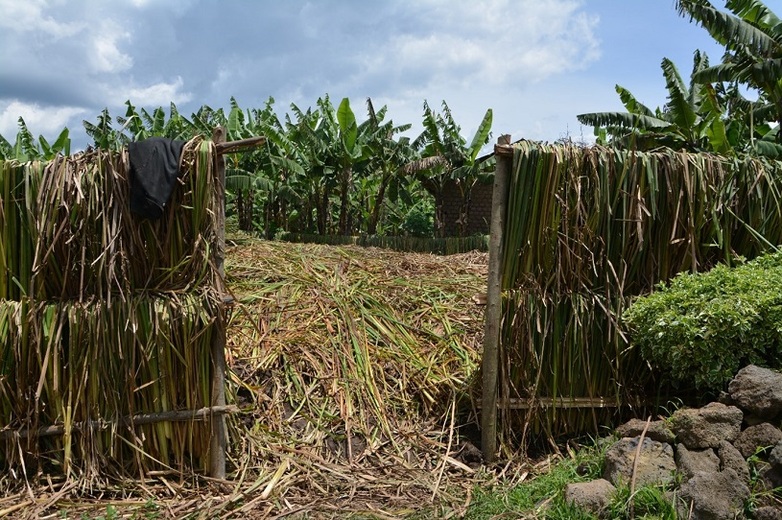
{"x": 536, "y": 63}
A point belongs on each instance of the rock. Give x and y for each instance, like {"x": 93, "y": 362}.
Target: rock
{"x": 725, "y": 398}
{"x": 712, "y": 496}
{"x": 731, "y": 458}
{"x": 690, "y": 462}
{"x": 658, "y": 430}
{"x": 655, "y": 462}
{"x": 757, "y": 390}
{"x": 770, "y": 476}
{"x": 768, "y": 513}
{"x": 592, "y": 496}
{"x": 763, "y": 435}
{"x": 775, "y": 457}
{"x": 470, "y": 455}
{"x": 708, "y": 426}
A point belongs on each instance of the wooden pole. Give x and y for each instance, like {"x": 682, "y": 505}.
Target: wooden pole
{"x": 242, "y": 144}
{"x": 503, "y": 153}
{"x": 217, "y": 446}
{"x": 128, "y": 421}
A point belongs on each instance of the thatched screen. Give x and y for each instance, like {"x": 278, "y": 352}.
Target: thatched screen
{"x": 104, "y": 316}
{"x": 586, "y": 230}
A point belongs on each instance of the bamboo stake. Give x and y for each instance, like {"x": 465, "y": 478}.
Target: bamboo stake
{"x": 217, "y": 446}
{"x": 504, "y": 156}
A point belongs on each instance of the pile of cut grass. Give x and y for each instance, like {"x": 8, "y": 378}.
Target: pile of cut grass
{"x": 357, "y": 364}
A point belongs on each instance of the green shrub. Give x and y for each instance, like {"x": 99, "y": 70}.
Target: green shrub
{"x": 419, "y": 221}
{"x": 702, "y": 328}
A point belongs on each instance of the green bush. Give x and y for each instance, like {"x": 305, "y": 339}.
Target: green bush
{"x": 419, "y": 221}
{"x": 702, "y": 328}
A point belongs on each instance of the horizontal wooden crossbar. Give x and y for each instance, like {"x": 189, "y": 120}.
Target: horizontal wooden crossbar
{"x": 131, "y": 420}
{"x": 234, "y": 146}
{"x": 558, "y": 402}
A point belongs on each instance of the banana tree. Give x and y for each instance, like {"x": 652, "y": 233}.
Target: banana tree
{"x": 752, "y": 37}
{"x": 280, "y": 165}
{"x": 27, "y": 148}
{"x": 349, "y": 152}
{"x": 692, "y": 119}
{"x": 446, "y": 157}
{"x": 314, "y": 140}
{"x": 103, "y": 133}
{"x": 387, "y": 159}
{"x": 143, "y": 125}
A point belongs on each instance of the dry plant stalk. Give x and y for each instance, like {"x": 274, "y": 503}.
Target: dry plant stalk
{"x": 588, "y": 229}
{"x": 104, "y": 315}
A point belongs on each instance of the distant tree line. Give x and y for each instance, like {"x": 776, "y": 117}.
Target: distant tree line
{"x": 320, "y": 170}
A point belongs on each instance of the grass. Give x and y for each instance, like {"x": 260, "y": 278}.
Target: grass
{"x": 539, "y": 492}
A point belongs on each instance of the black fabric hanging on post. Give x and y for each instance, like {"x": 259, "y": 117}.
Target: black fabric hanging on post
{"x": 154, "y": 170}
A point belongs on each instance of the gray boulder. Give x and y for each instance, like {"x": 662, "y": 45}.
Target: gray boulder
{"x": 763, "y": 435}
{"x": 657, "y": 431}
{"x": 768, "y": 513}
{"x": 691, "y": 462}
{"x": 731, "y": 458}
{"x": 591, "y": 496}
{"x": 769, "y": 476}
{"x": 775, "y": 457}
{"x": 706, "y": 427}
{"x": 655, "y": 462}
{"x": 757, "y": 390}
{"x": 712, "y": 496}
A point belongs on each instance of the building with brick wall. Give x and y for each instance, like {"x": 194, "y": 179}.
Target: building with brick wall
{"x": 478, "y": 202}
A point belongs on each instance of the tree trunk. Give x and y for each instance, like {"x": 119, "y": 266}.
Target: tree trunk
{"x": 464, "y": 209}
{"x": 374, "y": 217}
{"x": 344, "y": 201}
{"x": 439, "y": 216}
{"x": 322, "y": 207}
{"x": 244, "y": 210}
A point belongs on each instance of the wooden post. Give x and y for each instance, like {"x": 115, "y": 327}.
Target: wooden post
{"x": 503, "y": 153}
{"x": 217, "y": 446}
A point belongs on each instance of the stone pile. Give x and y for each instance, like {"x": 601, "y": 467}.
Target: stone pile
{"x": 706, "y": 450}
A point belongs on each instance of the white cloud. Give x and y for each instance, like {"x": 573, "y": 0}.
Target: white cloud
{"x": 27, "y": 16}
{"x": 46, "y": 121}
{"x": 158, "y": 94}
{"x": 105, "y": 55}
{"x": 522, "y": 40}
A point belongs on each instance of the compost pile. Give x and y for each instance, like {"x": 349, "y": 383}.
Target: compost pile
{"x": 354, "y": 368}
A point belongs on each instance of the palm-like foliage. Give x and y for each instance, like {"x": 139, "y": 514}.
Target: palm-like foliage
{"x": 28, "y": 148}
{"x": 387, "y": 159}
{"x": 752, "y": 37}
{"x": 692, "y": 119}
{"x": 104, "y": 135}
{"x": 446, "y": 157}
{"x": 139, "y": 125}
{"x": 321, "y": 169}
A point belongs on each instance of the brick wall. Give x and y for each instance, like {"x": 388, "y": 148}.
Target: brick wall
{"x": 480, "y": 209}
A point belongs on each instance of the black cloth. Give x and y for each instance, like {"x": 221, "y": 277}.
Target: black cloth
{"x": 154, "y": 170}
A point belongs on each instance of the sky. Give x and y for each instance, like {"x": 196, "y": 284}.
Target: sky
{"x": 535, "y": 63}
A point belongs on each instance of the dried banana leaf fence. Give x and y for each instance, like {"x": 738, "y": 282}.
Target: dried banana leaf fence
{"x": 111, "y": 327}
{"x": 580, "y": 232}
